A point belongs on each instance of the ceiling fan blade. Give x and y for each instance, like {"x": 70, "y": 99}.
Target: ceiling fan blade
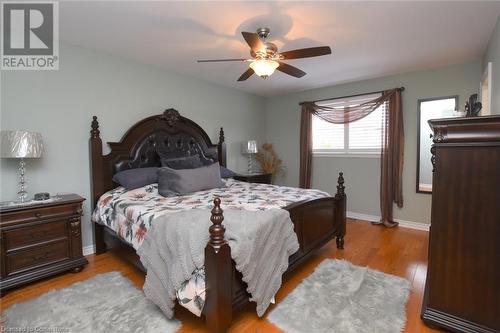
{"x": 290, "y": 70}
{"x": 307, "y": 52}
{"x": 253, "y": 40}
{"x": 220, "y": 60}
{"x": 249, "y": 72}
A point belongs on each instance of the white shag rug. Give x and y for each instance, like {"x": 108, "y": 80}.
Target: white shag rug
{"x": 104, "y": 303}
{"x": 339, "y": 297}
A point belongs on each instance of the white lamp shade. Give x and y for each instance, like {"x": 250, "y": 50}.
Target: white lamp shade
{"x": 249, "y": 147}
{"x": 21, "y": 144}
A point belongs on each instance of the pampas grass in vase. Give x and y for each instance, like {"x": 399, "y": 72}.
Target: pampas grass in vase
{"x": 269, "y": 161}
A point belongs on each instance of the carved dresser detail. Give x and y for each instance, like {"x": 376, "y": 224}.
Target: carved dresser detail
{"x": 462, "y": 291}
{"x": 40, "y": 240}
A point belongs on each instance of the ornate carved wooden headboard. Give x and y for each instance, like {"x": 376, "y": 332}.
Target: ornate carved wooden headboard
{"x": 175, "y": 135}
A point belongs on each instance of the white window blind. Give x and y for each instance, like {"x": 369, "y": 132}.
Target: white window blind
{"x": 358, "y": 137}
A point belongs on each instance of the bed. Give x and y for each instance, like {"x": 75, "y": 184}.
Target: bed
{"x": 317, "y": 219}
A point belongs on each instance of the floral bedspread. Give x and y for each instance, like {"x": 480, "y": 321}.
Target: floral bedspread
{"x": 130, "y": 214}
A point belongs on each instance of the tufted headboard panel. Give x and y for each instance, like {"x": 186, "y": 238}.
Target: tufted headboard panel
{"x": 174, "y": 135}
{"x": 179, "y": 144}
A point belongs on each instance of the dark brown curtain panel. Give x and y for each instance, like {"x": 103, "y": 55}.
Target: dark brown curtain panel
{"x": 392, "y": 144}
{"x": 305, "y": 147}
{"x": 391, "y": 161}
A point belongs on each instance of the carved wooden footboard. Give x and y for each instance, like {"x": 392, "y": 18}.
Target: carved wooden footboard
{"x": 316, "y": 222}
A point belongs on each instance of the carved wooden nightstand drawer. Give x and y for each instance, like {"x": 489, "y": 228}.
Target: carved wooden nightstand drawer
{"x": 40, "y": 240}
{"x": 37, "y": 213}
{"x": 38, "y": 233}
{"x": 36, "y": 256}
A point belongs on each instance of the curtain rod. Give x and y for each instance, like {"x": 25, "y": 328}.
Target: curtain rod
{"x": 369, "y": 93}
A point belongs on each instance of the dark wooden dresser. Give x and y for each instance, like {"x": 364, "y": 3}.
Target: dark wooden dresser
{"x": 462, "y": 291}
{"x": 262, "y": 178}
{"x": 40, "y": 240}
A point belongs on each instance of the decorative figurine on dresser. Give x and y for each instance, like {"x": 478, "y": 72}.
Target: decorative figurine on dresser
{"x": 462, "y": 289}
{"x": 40, "y": 239}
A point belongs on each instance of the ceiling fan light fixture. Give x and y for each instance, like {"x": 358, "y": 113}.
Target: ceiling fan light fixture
{"x": 264, "y": 67}
{"x": 265, "y": 58}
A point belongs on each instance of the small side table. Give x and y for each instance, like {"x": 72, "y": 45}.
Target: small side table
{"x": 262, "y": 178}
{"x": 40, "y": 240}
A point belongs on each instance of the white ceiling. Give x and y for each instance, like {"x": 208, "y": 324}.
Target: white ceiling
{"x": 368, "y": 39}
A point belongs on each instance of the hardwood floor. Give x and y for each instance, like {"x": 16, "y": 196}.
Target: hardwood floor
{"x": 396, "y": 251}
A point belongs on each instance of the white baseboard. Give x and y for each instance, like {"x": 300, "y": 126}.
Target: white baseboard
{"x": 88, "y": 250}
{"x": 413, "y": 225}
{"x": 364, "y": 217}
{"x": 402, "y": 223}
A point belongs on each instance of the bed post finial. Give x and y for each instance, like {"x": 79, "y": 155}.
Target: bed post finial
{"x": 221, "y": 148}
{"x": 96, "y": 174}
{"x": 217, "y": 230}
{"x": 95, "y": 128}
{"x": 341, "y": 206}
{"x": 221, "y": 135}
{"x": 340, "y": 186}
{"x": 218, "y": 307}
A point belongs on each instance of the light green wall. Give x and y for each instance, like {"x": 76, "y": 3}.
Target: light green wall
{"x": 60, "y": 105}
{"x": 362, "y": 174}
{"x": 493, "y": 54}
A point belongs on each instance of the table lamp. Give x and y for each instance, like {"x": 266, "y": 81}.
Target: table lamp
{"x": 21, "y": 144}
{"x": 249, "y": 148}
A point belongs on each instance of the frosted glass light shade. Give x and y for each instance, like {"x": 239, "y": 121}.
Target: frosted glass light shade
{"x": 21, "y": 144}
{"x": 263, "y": 67}
{"x": 249, "y": 147}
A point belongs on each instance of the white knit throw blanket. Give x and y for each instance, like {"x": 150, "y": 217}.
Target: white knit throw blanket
{"x": 260, "y": 241}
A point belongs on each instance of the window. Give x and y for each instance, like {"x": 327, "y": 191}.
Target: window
{"x": 363, "y": 136}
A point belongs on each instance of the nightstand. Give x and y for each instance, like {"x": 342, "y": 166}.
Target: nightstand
{"x": 40, "y": 240}
{"x": 263, "y": 178}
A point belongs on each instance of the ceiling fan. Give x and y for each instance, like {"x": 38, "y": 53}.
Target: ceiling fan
{"x": 266, "y": 58}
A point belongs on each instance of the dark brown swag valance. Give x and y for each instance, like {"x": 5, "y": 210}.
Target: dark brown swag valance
{"x": 392, "y": 152}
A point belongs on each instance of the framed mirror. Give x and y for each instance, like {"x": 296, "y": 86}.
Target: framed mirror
{"x": 430, "y": 108}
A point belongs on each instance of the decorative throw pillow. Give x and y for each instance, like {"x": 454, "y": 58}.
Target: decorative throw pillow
{"x": 187, "y": 162}
{"x": 186, "y": 181}
{"x": 226, "y": 173}
{"x": 135, "y": 178}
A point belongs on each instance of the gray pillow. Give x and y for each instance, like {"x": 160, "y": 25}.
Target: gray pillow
{"x": 184, "y": 181}
{"x": 187, "y": 162}
{"x": 226, "y": 173}
{"x": 135, "y": 178}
